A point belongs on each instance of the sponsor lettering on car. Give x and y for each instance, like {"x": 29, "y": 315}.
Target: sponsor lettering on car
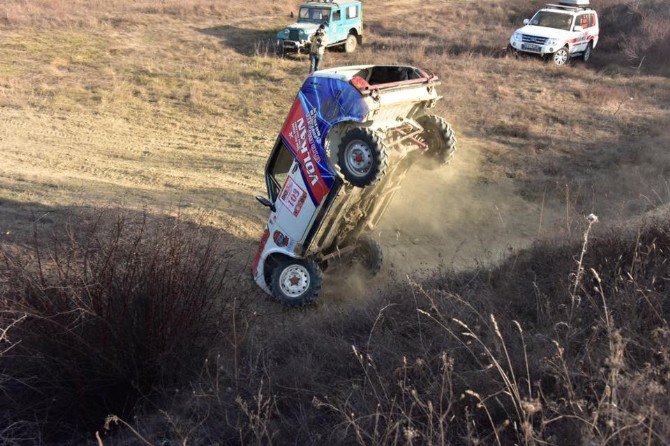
{"x": 292, "y": 196}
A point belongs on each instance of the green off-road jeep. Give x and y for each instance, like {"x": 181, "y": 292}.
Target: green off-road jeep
{"x": 343, "y": 19}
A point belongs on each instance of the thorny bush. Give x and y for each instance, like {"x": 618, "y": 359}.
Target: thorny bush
{"x": 112, "y": 310}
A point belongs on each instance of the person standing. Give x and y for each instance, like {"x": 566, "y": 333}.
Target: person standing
{"x": 317, "y": 48}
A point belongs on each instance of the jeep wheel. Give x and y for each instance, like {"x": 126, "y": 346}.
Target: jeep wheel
{"x": 362, "y": 157}
{"x": 350, "y": 44}
{"x": 369, "y": 255}
{"x": 279, "y": 48}
{"x": 441, "y": 141}
{"x": 587, "y": 52}
{"x": 296, "y": 282}
{"x": 561, "y": 57}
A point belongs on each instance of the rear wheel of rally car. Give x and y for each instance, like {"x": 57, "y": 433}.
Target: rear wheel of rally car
{"x": 369, "y": 254}
{"x": 441, "y": 141}
{"x": 350, "y": 44}
{"x": 561, "y": 57}
{"x": 296, "y": 282}
{"x": 362, "y": 157}
{"x": 587, "y": 52}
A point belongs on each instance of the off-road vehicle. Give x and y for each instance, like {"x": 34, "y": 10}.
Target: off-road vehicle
{"x": 348, "y": 141}
{"x": 344, "y": 26}
{"x": 561, "y": 32}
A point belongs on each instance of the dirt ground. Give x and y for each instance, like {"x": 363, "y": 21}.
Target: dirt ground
{"x": 175, "y": 114}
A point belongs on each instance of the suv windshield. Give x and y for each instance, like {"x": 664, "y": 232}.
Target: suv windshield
{"x": 314, "y": 14}
{"x": 550, "y": 19}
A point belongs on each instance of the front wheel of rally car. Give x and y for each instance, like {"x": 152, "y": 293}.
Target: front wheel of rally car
{"x": 440, "y": 139}
{"x": 369, "y": 255}
{"x": 296, "y": 282}
{"x": 362, "y": 157}
{"x": 561, "y": 57}
{"x": 587, "y": 52}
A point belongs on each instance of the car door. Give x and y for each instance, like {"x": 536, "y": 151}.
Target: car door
{"x": 286, "y": 188}
{"x": 581, "y": 35}
{"x": 336, "y": 28}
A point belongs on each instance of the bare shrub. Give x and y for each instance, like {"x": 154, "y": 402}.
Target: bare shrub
{"x": 113, "y": 312}
{"x": 561, "y": 344}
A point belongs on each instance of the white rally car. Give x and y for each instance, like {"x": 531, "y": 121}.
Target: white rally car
{"x": 350, "y": 138}
{"x": 569, "y": 29}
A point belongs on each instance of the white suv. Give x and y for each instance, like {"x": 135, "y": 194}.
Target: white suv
{"x": 561, "y": 31}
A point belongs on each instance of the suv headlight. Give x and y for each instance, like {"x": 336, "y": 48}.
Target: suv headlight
{"x": 516, "y": 36}
{"x": 552, "y": 42}
{"x": 285, "y": 32}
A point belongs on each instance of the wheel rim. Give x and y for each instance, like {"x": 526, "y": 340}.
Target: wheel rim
{"x": 294, "y": 280}
{"x": 561, "y": 57}
{"x": 358, "y": 158}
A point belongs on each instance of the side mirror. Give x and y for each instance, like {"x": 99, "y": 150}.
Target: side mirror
{"x": 265, "y": 202}
{"x": 578, "y": 28}
{"x": 526, "y": 21}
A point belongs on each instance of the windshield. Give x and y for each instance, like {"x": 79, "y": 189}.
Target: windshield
{"x": 550, "y": 19}
{"x": 314, "y": 14}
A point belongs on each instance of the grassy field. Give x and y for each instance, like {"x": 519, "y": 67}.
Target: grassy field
{"x": 169, "y": 109}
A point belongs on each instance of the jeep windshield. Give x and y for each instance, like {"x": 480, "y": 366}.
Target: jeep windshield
{"x": 550, "y": 19}
{"x": 314, "y": 14}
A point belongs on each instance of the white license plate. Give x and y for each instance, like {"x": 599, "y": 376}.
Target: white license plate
{"x": 531, "y": 47}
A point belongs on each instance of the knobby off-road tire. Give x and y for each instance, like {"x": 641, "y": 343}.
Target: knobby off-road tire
{"x": 350, "y": 44}
{"x": 369, "y": 255}
{"x": 296, "y": 282}
{"x": 441, "y": 141}
{"x": 362, "y": 157}
{"x": 586, "y": 56}
{"x": 561, "y": 57}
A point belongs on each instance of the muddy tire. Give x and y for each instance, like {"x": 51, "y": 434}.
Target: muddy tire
{"x": 441, "y": 141}
{"x": 561, "y": 57}
{"x": 369, "y": 255}
{"x": 362, "y": 157}
{"x": 587, "y": 52}
{"x": 350, "y": 44}
{"x": 296, "y": 282}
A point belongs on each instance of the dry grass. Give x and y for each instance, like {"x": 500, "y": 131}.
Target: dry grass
{"x": 170, "y": 107}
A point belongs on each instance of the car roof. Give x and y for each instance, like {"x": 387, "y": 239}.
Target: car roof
{"x": 346, "y": 73}
{"x": 329, "y": 4}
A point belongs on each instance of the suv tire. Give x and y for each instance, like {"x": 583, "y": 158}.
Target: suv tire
{"x": 587, "y": 52}
{"x": 369, "y": 255}
{"x": 296, "y": 282}
{"x": 441, "y": 141}
{"x": 350, "y": 44}
{"x": 362, "y": 157}
{"x": 561, "y": 57}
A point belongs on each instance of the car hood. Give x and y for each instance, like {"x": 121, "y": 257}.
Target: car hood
{"x": 307, "y": 27}
{"x": 543, "y": 31}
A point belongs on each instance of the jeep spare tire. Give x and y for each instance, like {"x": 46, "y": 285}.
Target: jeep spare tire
{"x": 440, "y": 139}
{"x": 369, "y": 255}
{"x": 296, "y": 282}
{"x": 362, "y": 157}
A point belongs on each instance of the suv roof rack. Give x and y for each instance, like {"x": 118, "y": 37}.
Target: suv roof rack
{"x": 568, "y": 7}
